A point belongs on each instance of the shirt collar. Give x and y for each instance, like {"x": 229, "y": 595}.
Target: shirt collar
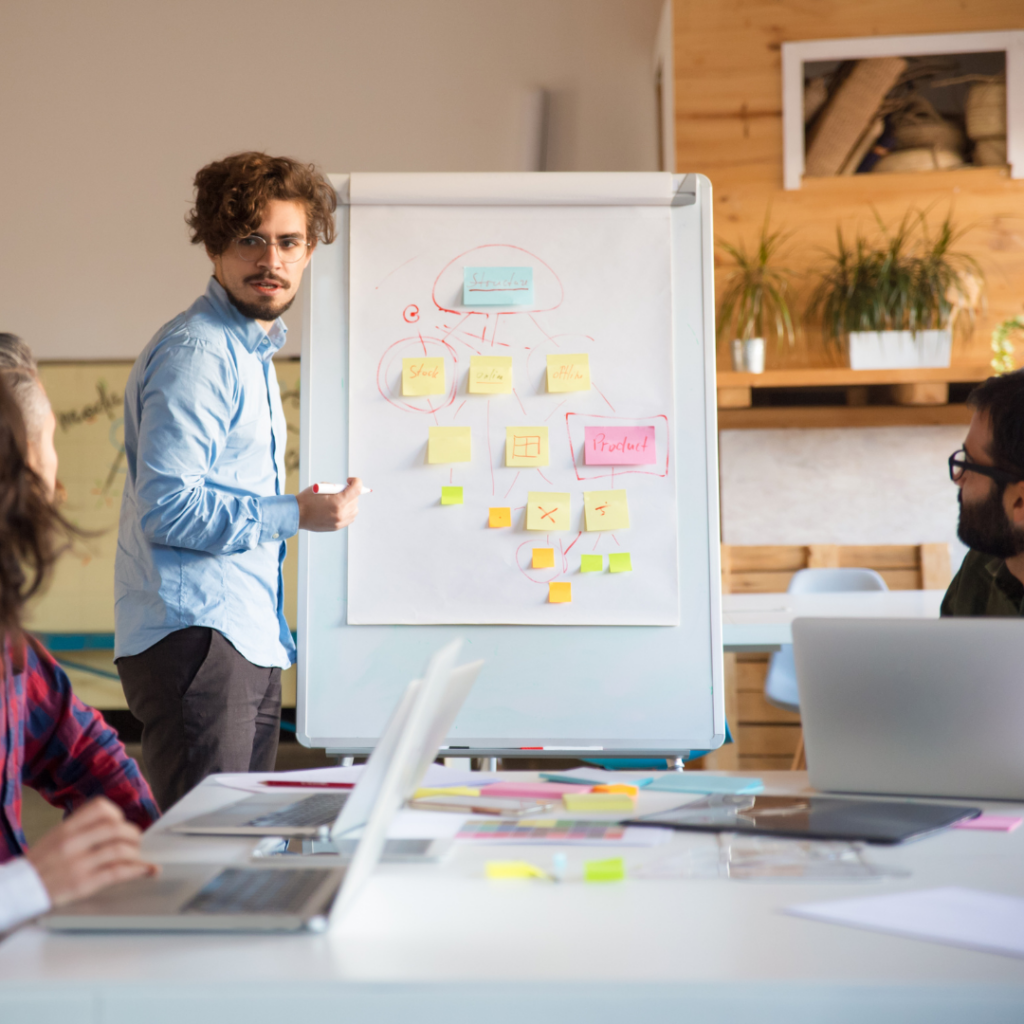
{"x": 249, "y": 332}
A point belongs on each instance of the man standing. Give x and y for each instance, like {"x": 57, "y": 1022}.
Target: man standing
{"x": 201, "y": 635}
{"x": 989, "y": 470}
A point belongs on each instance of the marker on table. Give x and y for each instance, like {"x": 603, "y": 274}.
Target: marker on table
{"x": 325, "y": 488}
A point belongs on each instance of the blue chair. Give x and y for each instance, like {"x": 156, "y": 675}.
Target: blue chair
{"x": 780, "y": 686}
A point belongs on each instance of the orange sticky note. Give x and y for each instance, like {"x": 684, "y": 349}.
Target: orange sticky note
{"x": 499, "y": 517}
{"x": 543, "y": 558}
{"x": 617, "y": 787}
{"x": 559, "y": 593}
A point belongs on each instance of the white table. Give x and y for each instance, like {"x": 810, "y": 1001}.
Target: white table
{"x": 439, "y": 943}
{"x": 761, "y": 622}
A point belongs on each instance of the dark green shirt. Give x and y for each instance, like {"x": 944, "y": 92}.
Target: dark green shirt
{"x": 984, "y": 586}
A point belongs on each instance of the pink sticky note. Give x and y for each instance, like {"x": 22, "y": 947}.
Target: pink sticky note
{"x": 533, "y": 790}
{"x": 991, "y": 823}
{"x": 619, "y": 446}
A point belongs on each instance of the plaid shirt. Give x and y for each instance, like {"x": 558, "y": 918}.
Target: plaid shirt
{"x": 51, "y": 741}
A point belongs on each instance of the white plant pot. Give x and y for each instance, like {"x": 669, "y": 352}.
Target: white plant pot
{"x": 897, "y": 350}
{"x": 753, "y": 355}
{"x": 739, "y": 358}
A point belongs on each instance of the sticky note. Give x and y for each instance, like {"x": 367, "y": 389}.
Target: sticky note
{"x": 490, "y": 375}
{"x": 617, "y": 787}
{"x": 449, "y": 444}
{"x": 497, "y": 286}
{"x": 704, "y": 782}
{"x": 569, "y": 372}
{"x": 598, "y": 802}
{"x": 537, "y": 822}
{"x": 606, "y": 510}
{"x": 451, "y": 495}
{"x": 543, "y": 558}
{"x": 611, "y": 870}
{"x": 445, "y": 791}
{"x": 526, "y": 446}
{"x": 513, "y": 869}
{"x": 991, "y": 823}
{"x": 547, "y": 510}
{"x": 618, "y": 446}
{"x": 423, "y": 376}
{"x": 559, "y": 593}
{"x": 619, "y": 561}
{"x": 591, "y": 563}
{"x": 499, "y": 517}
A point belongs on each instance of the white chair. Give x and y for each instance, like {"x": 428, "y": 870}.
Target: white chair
{"x": 780, "y": 684}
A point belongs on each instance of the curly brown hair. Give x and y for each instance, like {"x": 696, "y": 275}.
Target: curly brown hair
{"x": 31, "y": 529}
{"x": 232, "y": 196}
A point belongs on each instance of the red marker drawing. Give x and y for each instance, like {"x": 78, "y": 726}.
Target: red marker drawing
{"x": 325, "y": 488}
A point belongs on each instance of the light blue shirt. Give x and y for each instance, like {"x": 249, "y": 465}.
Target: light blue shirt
{"x": 204, "y": 516}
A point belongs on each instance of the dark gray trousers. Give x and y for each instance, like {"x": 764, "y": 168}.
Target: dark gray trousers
{"x": 203, "y": 708}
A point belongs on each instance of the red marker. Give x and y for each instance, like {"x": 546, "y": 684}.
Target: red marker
{"x": 308, "y": 785}
{"x": 325, "y": 488}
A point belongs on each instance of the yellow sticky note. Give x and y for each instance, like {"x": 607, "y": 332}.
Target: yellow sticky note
{"x": 598, "y": 802}
{"x": 446, "y": 791}
{"x": 569, "y": 372}
{"x": 526, "y": 446}
{"x": 543, "y": 558}
{"x": 617, "y": 787}
{"x": 547, "y": 510}
{"x": 611, "y": 870}
{"x": 423, "y": 376}
{"x": 559, "y": 593}
{"x": 499, "y": 517}
{"x": 513, "y": 869}
{"x": 451, "y": 495}
{"x": 620, "y": 561}
{"x": 606, "y": 510}
{"x": 490, "y": 375}
{"x": 450, "y": 444}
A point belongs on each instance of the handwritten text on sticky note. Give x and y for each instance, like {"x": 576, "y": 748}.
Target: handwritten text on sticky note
{"x": 569, "y": 372}
{"x": 547, "y": 510}
{"x": 606, "y": 510}
{"x": 526, "y": 446}
{"x": 619, "y": 446}
{"x": 449, "y": 444}
{"x": 497, "y": 286}
{"x": 490, "y": 375}
{"x": 423, "y": 376}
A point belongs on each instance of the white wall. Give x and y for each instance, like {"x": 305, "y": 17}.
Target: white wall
{"x": 880, "y": 485}
{"x": 108, "y": 108}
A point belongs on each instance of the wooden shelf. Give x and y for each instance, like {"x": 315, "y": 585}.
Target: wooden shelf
{"x": 824, "y": 416}
{"x": 841, "y": 376}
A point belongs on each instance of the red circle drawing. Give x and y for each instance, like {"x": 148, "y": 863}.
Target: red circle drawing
{"x": 411, "y": 313}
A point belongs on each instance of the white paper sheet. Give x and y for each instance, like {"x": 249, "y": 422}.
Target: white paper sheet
{"x": 972, "y": 918}
{"x": 252, "y": 782}
{"x": 602, "y": 285}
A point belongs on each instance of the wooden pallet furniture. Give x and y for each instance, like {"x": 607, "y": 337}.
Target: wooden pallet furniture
{"x": 766, "y": 737}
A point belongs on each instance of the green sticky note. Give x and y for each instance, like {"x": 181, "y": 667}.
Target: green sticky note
{"x": 591, "y": 563}
{"x": 619, "y": 561}
{"x": 611, "y": 870}
{"x": 453, "y": 496}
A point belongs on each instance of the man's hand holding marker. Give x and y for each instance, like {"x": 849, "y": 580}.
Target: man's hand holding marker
{"x": 326, "y": 507}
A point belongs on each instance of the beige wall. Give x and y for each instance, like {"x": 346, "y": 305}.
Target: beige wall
{"x": 108, "y": 108}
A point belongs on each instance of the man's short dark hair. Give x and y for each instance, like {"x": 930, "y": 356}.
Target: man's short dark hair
{"x": 232, "y": 196}
{"x": 1002, "y": 398}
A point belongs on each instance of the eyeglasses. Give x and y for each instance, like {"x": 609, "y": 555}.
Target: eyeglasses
{"x": 959, "y": 464}
{"x": 254, "y": 247}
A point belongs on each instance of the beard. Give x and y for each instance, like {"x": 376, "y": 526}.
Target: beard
{"x": 984, "y": 527}
{"x": 257, "y": 310}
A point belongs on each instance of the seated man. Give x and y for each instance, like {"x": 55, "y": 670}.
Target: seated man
{"x": 989, "y": 470}
{"x": 50, "y": 740}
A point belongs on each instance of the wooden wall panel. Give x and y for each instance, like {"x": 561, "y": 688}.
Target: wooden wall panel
{"x": 729, "y": 127}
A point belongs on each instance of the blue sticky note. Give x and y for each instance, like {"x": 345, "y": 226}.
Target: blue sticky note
{"x": 575, "y": 780}
{"x": 497, "y": 286}
{"x": 702, "y": 782}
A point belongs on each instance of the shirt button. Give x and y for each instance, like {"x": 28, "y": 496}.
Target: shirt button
{"x": 276, "y": 535}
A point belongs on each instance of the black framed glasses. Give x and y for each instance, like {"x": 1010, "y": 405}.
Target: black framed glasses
{"x": 291, "y": 248}
{"x": 959, "y": 464}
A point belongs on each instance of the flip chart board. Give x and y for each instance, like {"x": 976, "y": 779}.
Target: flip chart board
{"x": 519, "y": 366}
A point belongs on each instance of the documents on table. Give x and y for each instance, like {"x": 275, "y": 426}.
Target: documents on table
{"x": 560, "y": 832}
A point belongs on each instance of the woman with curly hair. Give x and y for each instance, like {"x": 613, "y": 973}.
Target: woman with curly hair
{"x": 49, "y": 739}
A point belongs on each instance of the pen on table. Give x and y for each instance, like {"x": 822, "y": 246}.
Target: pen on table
{"x": 326, "y": 488}
{"x": 308, "y": 785}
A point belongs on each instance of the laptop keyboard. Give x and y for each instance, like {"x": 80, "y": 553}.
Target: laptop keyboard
{"x": 321, "y": 809}
{"x": 240, "y": 891}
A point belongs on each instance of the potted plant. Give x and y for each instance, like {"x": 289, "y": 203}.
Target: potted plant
{"x": 755, "y": 305}
{"x": 898, "y": 302}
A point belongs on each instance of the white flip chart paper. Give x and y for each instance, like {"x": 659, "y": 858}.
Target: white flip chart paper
{"x": 601, "y": 280}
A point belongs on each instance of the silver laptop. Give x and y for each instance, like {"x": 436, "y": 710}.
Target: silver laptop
{"x": 917, "y": 707}
{"x": 332, "y": 814}
{"x": 274, "y": 897}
